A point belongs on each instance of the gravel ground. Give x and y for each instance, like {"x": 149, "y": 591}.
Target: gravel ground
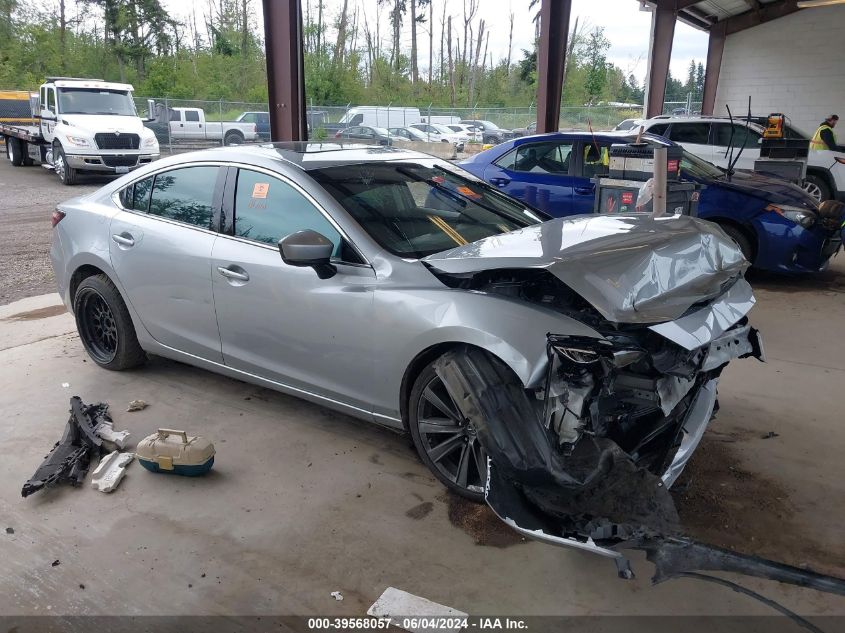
{"x": 28, "y": 195}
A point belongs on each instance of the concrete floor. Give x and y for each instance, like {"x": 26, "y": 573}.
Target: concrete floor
{"x": 303, "y": 501}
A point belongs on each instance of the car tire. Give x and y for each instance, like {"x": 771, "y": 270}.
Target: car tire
{"x": 13, "y": 151}
{"x": 741, "y": 240}
{"x": 67, "y": 174}
{"x": 233, "y": 138}
{"x": 456, "y": 433}
{"x": 817, "y": 187}
{"x": 104, "y": 325}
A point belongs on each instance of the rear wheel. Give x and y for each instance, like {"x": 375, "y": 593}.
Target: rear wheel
{"x": 444, "y": 438}
{"x": 817, "y": 187}
{"x": 105, "y": 326}
{"x": 741, "y": 240}
{"x": 233, "y": 138}
{"x": 14, "y": 152}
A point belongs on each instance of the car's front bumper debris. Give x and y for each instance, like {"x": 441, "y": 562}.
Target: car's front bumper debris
{"x": 70, "y": 458}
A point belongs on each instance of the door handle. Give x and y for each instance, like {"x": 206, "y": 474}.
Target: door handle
{"x": 500, "y": 182}
{"x": 124, "y": 239}
{"x": 237, "y": 275}
{"x": 585, "y": 191}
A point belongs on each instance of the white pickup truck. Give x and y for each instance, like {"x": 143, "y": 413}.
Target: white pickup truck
{"x": 84, "y": 125}
{"x": 190, "y": 125}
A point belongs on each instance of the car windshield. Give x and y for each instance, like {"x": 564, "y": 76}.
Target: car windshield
{"x": 442, "y": 128}
{"x": 95, "y": 101}
{"x": 416, "y": 209}
{"x": 695, "y": 167}
{"x": 488, "y": 125}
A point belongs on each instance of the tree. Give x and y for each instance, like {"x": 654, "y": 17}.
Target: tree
{"x": 595, "y": 62}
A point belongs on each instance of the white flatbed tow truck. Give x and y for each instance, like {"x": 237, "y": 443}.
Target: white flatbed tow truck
{"x": 84, "y": 125}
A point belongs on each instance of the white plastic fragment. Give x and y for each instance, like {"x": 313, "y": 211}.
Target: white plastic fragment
{"x": 400, "y": 606}
{"x": 110, "y": 471}
{"x": 136, "y": 405}
{"x": 105, "y": 430}
{"x": 337, "y": 595}
{"x": 65, "y": 385}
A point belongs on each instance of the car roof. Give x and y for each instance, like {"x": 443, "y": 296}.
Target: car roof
{"x": 613, "y": 135}
{"x": 703, "y": 119}
{"x": 309, "y": 155}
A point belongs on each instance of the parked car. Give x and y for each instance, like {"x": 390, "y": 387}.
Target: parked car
{"x": 408, "y": 134}
{"x": 394, "y": 287}
{"x": 490, "y": 132}
{"x": 190, "y": 125}
{"x": 775, "y": 223}
{"x": 366, "y": 134}
{"x": 709, "y": 138}
{"x": 528, "y": 130}
{"x": 472, "y": 133}
{"x": 261, "y": 120}
{"x": 437, "y": 133}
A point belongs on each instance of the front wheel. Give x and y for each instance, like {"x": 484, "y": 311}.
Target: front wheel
{"x": 741, "y": 240}
{"x": 67, "y": 174}
{"x": 105, "y": 326}
{"x": 817, "y": 187}
{"x": 445, "y": 440}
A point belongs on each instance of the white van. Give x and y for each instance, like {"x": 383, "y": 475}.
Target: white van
{"x": 377, "y": 116}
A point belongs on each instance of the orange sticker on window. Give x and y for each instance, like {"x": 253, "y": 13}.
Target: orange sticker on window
{"x": 260, "y": 189}
{"x": 468, "y": 192}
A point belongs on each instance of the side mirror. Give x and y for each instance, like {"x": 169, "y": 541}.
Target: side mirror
{"x": 308, "y": 248}
{"x": 151, "y": 110}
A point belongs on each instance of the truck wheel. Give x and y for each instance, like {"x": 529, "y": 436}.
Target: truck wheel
{"x": 67, "y": 174}
{"x": 13, "y": 151}
{"x": 233, "y": 138}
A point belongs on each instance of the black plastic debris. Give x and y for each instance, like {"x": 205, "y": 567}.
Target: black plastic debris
{"x": 70, "y": 458}
{"x": 10, "y": 530}
{"x": 770, "y": 435}
{"x": 56, "y": 563}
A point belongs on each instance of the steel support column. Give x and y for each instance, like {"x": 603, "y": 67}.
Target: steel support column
{"x": 715, "y": 48}
{"x": 663, "y": 32}
{"x": 551, "y": 61}
{"x": 285, "y": 69}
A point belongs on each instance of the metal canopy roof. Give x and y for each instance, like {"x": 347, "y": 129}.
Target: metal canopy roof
{"x": 733, "y": 15}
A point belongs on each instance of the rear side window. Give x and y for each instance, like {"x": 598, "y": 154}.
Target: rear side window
{"x": 192, "y": 115}
{"x": 185, "y": 195}
{"x": 742, "y": 137}
{"x": 659, "y": 129}
{"x": 698, "y": 133}
{"x": 267, "y": 209}
{"x": 136, "y": 197}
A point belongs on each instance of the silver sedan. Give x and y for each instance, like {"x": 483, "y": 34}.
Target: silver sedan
{"x": 397, "y": 288}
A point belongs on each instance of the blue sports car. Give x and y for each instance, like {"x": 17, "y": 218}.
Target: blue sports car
{"x": 775, "y": 223}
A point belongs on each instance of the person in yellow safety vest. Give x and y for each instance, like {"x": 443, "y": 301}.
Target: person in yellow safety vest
{"x": 595, "y": 156}
{"x": 824, "y": 138}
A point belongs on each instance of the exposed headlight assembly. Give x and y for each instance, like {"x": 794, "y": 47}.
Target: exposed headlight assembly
{"x": 150, "y": 141}
{"x": 588, "y": 351}
{"x": 801, "y": 217}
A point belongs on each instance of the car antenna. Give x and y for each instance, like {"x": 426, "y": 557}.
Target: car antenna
{"x": 745, "y": 140}
{"x": 640, "y": 135}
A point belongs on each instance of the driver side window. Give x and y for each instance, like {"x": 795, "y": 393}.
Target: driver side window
{"x": 268, "y": 209}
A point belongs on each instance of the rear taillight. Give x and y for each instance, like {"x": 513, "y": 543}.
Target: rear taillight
{"x": 57, "y": 217}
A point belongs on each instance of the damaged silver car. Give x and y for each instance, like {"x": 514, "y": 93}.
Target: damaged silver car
{"x": 580, "y": 355}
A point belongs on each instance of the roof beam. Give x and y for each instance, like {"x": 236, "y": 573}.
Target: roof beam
{"x": 756, "y": 17}
{"x": 551, "y": 61}
{"x": 660, "y": 52}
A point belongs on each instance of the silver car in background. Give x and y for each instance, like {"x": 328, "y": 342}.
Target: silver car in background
{"x": 397, "y": 288}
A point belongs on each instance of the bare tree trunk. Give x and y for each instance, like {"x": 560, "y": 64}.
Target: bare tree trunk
{"x": 474, "y": 64}
{"x": 510, "y": 44}
{"x": 319, "y": 27}
{"x": 62, "y": 29}
{"x": 244, "y": 27}
{"x": 414, "y": 70}
{"x": 451, "y": 67}
{"x": 397, "y": 24}
{"x": 430, "y": 41}
{"x": 340, "y": 45}
{"x": 442, "y": 36}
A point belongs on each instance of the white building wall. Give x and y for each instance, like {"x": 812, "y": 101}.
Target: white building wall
{"x": 794, "y": 65}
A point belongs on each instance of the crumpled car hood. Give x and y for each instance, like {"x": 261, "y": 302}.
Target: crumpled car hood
{"x": 631, "y": 268}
